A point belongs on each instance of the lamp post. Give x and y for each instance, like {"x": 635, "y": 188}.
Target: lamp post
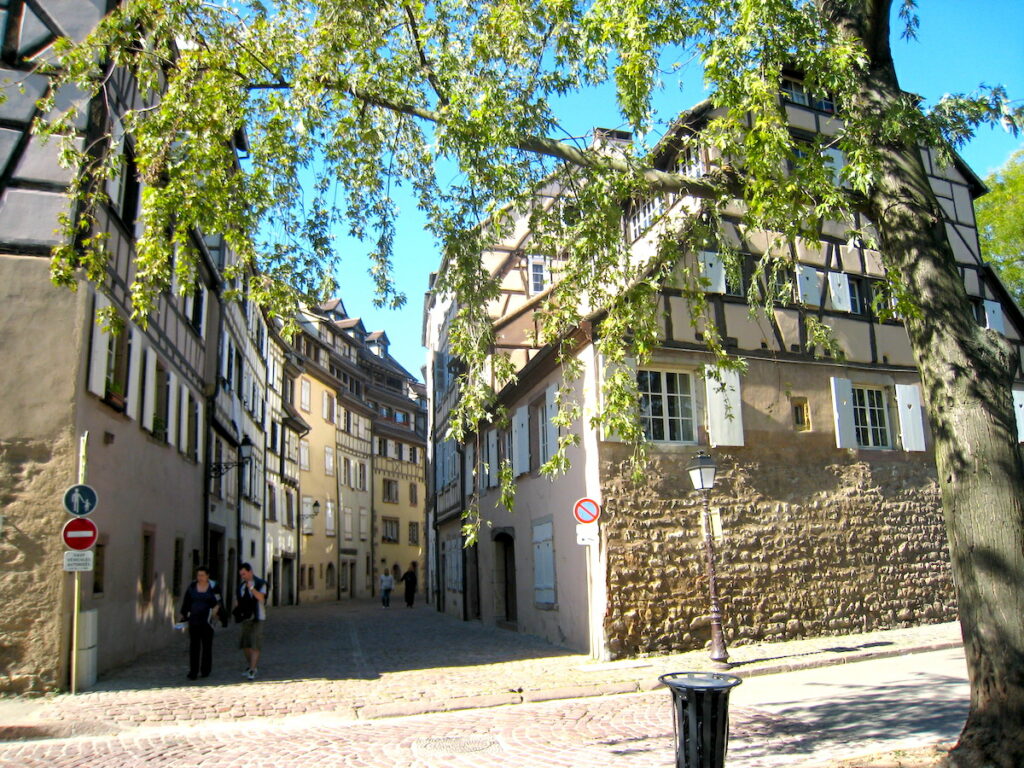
{"x": 702, "y": 474}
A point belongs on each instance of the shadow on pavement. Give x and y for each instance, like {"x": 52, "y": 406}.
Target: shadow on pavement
{"x": 356, "y": 640}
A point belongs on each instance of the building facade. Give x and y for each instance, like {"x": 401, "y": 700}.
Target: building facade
{"x": 827, "y": 503}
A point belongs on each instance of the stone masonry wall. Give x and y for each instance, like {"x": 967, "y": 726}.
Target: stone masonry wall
{"x": 33, "y": 642}
{"x": 817, "y": 541}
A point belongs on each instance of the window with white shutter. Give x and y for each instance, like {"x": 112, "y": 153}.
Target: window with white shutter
{"x": 911, "y": 416}
{"x": 809, "y": 285}
{"x": 543, "y": 563}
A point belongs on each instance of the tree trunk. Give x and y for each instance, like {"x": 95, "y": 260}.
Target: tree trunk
{"x": 966, "y": 374}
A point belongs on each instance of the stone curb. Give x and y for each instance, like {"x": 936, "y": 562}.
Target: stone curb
{"x": 406, "y": 709}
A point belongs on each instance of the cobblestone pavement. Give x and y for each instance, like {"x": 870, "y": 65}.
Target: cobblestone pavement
{"x": 339, "y": 682}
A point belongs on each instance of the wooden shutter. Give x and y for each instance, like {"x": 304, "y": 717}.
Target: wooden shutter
{"x": 713, "y": 270}
{"x": 842, "y": 412}
{"x": 550, "y": 410}
{"x": 135, "y": 373}
{"x": 149, "y": 398}
{"x": 97, "y": 383}
{"x": 911, "y": 415}
{"x": 521, "y": 441}
{"x": 839, "y": 290}
{"x": 724, "y": 408}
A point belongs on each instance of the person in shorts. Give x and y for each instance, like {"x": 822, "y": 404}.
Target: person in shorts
{"x": 251, "y": 612}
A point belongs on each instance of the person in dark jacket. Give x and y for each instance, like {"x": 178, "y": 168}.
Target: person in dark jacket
{"x": 200, "y": 607}
{"x": 409, "y": 579}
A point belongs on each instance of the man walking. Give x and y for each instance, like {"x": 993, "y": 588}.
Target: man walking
{"x": 251, "y": 612}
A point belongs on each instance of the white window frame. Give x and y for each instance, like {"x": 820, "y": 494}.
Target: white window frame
{"x": 328, "y": 460}
{"x": 304, "y": 454}
{"x": 305, "y": 394}
{"x": 869, "y": 418}
{"x": 648, "y": 419}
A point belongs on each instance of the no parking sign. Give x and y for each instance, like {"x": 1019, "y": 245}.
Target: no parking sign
{"x": 586, "y": 510}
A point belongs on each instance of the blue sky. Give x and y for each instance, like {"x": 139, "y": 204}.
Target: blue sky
{"x": 960, "y": 45}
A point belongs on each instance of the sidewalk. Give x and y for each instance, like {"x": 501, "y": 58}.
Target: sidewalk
{"x": 357, "y": 661}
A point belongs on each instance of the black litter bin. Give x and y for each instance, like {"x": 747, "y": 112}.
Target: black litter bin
{"x": 700, "y": 704}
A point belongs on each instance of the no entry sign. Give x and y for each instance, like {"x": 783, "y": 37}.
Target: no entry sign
{"x": 79, "y": 533}
{"x": 587, "y": 510}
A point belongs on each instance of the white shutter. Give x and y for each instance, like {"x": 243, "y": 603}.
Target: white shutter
{"x": 325, "y": 405}
{"x": 225, "y": 346}
{"x": 492, "y": 459}
{"x": 183, "y": 415}
{"x": 724, "y": 408}
{"x": 552, "y": 428}
{"x": 713, "y": 270}
{"x": 172, "y": 409}
{"x": 839, "y": 290}
{"x": 809, "y": 285}
{"x": 204, "y": 295}
{"x": 543, "y": 563}
{"x": 97, "y": 383}
{"x": 200, "y": 429}
{"x": 521, "y": 441}
{"x": 149, "y": 399}
{"x": 135, "y": 373}
{"x": 908, "y": 402}
{"x": 994, "y": 316}
{"x": 468, "y": 467}
{"x": 1018, "y": 409}
{"x": 842, "y": 412}
{"x": 115, "y": 184}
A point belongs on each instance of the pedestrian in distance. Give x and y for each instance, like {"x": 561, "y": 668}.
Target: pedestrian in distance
{"x": 387, "y": 583}
{"x": 200, "y": 607}
{"x": 409, "y": 579}
{"x": 251, "y": 612}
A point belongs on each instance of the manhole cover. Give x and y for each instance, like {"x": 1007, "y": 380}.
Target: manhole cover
{"x": 456, "y": 745}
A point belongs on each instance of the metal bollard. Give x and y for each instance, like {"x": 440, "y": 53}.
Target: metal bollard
{"x": 700, "y": 703}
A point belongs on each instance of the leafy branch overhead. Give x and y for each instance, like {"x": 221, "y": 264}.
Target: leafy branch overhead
{"x": 343, "y": 102}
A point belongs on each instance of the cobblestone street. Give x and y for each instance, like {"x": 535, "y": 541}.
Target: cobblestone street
{"x": 356, "y": 685}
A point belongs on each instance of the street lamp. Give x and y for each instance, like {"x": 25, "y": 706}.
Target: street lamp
{"x": 219, "y": 468}
{"x": 702, "y": 474}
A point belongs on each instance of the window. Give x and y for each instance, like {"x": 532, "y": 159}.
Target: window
{"x": 329, "y": 519}
{"x": 859, "y": 296}
{"x": 870, "y": 418}
{"x": 389, "y": 530}
{"x": 178, "y": 566}
{"x": 801, "y": 414}
{"x": 414, "y": 456}
{"x": 307, "y": 514}
{"x": 99, "y": 566}
{"x": 362, "y": 476}
{"x": 390, "y": 491}
{"x": 289, "y": 509}
{"x": 347, "y": 523}
{"x": 794, "y": 91}
{"x": 364, "y": 524}
{"x": 690, "y": 163}
{"x": 539, "y": 448}
{"x": 162, "y": 396}
{"x": 146, "y": 573}
{"x": 540, "y": 276}
{"x": 543, "y": 563}
{"x": 328, "y": 407}
{"x": 414, "y": 534}
{"x": 304, "y": 395}
{"x": 195, "y": 306}
{"x": 346, "y": 472}
{"x": 400, "y": 451}
{"x": 643, "y": 215}
{"x": 271, "y": 503}
{"x": 328, "y": 460}
{"x": 304, "y": 454}
{"x": 382, "y": 446}
{"x": 414, "y": 495}
{"x": 666, "y": 406}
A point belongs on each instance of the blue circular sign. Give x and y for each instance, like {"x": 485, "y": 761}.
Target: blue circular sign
{"x": 80, "y": 500}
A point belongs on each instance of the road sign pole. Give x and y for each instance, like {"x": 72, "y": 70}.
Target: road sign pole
{"x": 83, "y": 458}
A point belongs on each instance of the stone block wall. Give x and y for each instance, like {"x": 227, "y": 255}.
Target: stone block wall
{"x": 817, "y": 541}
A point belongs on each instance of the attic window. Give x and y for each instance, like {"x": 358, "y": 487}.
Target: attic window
{"x": 795, "y": 92}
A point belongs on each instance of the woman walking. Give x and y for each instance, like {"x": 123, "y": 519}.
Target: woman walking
{"x": 200, "y": 606}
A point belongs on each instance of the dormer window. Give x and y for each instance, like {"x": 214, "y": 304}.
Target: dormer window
{"x": 795, "y": 92}
{"x": 540, "y": 275}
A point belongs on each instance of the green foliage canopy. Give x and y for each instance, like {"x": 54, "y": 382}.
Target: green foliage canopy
{"x": 1001, "y": 223}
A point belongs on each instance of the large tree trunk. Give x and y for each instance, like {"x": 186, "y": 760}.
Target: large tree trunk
{"x": 966, "y": 374}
